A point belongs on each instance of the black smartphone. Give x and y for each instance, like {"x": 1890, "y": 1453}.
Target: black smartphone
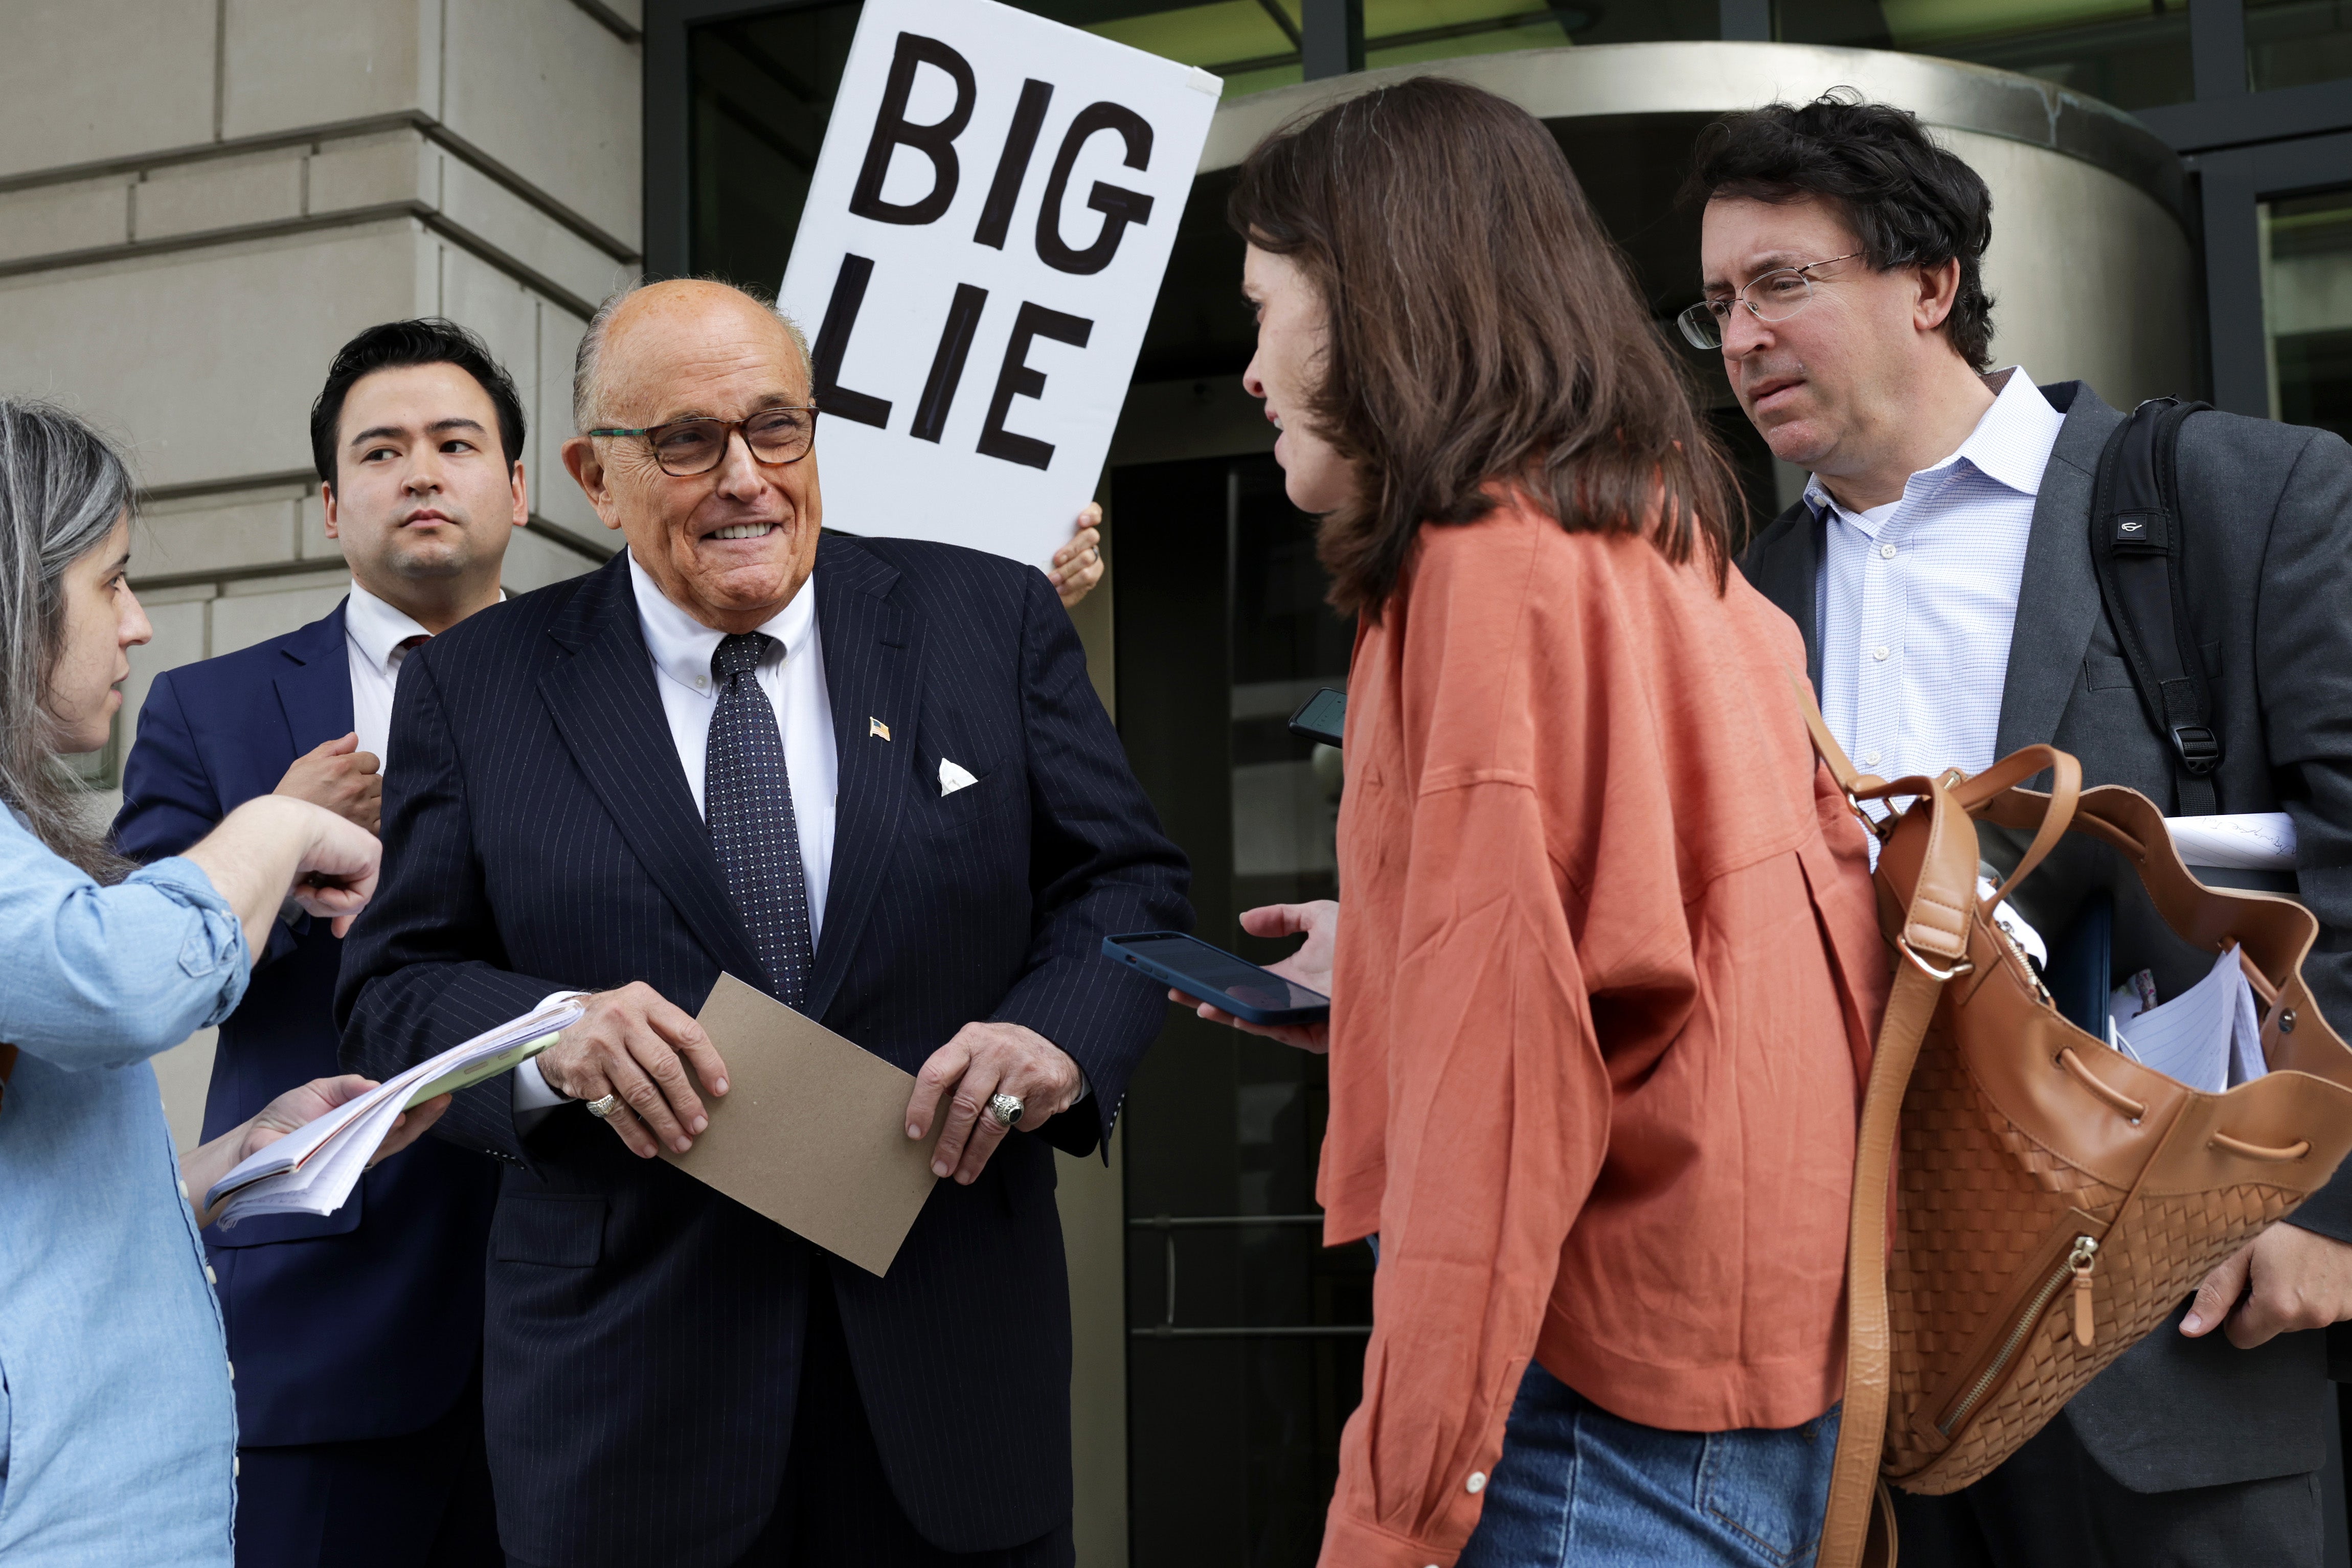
{"x": 1324, "y": 717}
{"x": 1219, "y": 978}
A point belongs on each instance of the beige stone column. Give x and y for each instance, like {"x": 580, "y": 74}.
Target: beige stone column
{"x": 201, "y": 200}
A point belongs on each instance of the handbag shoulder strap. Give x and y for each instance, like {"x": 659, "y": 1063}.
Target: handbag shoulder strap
{"x": 1858, "y": 1529}
{"x": 1933, "y": 947}
{"x": 2136, "y": 526}
{"x": 1850, "y": 778}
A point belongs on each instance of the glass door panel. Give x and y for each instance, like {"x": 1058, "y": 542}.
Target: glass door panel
{"x": 1246, "y": 1335}
{"x": 2307, "y": 309}
{"x": 2292, "y": 43}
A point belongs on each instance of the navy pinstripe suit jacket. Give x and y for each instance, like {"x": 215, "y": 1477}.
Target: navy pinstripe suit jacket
{"x": 642, "y": 1336}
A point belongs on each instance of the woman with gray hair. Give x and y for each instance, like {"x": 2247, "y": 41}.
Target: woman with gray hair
{"x": 117, "y": 1431}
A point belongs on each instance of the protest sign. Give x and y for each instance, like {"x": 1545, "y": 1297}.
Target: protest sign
{"x": 983, "y": 239}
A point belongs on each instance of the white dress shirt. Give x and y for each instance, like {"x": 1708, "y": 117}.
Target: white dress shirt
{"x": 373, "y": 632}
{"x": 1917, "y": 599}
{"x": 793, "y": 677}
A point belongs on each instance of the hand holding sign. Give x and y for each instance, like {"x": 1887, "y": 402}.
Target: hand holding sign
{"x": 1077, "y": 566}
{"x": 914, "y": 271}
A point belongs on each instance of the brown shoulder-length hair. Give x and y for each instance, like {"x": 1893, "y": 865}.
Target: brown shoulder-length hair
{"x": 1483, "y": 328}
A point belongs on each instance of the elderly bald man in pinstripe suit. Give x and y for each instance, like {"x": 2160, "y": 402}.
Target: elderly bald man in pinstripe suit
{"x": 739, "y": 747}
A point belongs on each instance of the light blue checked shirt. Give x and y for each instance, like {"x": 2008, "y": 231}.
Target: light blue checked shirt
{"x": 117, "y": 1433}
{"x": 1917, "y": 598}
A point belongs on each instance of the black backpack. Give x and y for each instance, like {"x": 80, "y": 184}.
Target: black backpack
{"x": 2136, "y": 548}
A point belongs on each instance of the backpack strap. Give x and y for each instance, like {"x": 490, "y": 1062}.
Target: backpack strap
{"x": 2136, "y": 548}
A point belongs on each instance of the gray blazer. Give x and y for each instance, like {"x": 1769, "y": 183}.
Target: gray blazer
{"x": 2269, "y": 581}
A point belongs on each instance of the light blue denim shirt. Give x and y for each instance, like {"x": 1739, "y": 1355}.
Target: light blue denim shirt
{"x": 118, "y": 1433}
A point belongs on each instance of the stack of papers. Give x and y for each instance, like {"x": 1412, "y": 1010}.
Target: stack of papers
{"x": 313, "y": 1169}
{"x": 2209, "y": 1036}
{"x": 2249, "y": 841}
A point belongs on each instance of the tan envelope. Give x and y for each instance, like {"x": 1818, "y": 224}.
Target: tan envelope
{"x": 811, "y": 1131}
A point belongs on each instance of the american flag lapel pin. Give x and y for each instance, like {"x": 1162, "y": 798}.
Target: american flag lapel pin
{"x": 874, "y": 727}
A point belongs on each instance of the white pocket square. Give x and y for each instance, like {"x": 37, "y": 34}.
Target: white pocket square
{"x": 954, "y": 776}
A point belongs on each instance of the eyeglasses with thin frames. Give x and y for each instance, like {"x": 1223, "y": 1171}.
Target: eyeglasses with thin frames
{"x": 1780, "y": 294}
{"x": 685, "y": 448}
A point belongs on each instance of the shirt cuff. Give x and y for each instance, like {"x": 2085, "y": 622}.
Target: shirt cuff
{"x": 532, "y": 1091}
{"x": 533, "y": 1095}
{"x": 216, "y": 945}
{"x": 1355, "y": 1544}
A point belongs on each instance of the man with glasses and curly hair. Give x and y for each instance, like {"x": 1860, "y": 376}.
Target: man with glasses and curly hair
{"x": 1940, "y": 566}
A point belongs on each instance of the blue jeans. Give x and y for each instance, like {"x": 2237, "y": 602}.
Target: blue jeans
{"x": 1579, "y": 1486}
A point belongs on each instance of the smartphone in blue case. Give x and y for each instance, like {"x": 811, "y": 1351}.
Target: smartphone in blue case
{"x": 1221, "y": 978}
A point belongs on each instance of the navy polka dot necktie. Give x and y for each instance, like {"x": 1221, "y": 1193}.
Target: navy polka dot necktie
{"x": 748, "y": 804}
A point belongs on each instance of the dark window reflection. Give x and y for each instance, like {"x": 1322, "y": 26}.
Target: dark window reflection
{"x": 1252, "y": 43}
{"x": 1400, "y": 32}
{"x": 2308, "y": 308}
{"x": 762, "y": 89}
{"x": 2132, "y": 54}
{"x": 2291, "y": 43}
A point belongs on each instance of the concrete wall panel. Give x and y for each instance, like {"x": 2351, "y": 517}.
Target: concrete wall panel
{"x": 543, "y": 87}
{"x": 289, "y": 63}
{"x": 206, "y": 361}
{"x": 483, "y": 207}
{"x": 476, "y": 295}
{"x": 219, "y": 193}
{"x": 184, "y": 1073}
{"x": 556, "y": 496}
{"x": 312, "y": 543}
{"x": 47, "y": 219}
{"x": 208, "y": 535}
{"x": 1091, "y": 1198}
{"x": 366, "y": 170}
{"x": 533, "y": 561}
{"x": 179, "y": 618}
{"x": 250, "y": 612}
{"x": 82, "y": 80}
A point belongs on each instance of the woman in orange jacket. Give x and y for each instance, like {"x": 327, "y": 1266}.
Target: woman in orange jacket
{"x": 1603, "y": 998}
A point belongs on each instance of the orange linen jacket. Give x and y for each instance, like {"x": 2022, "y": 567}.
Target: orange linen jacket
{"x": 1606, "y": 985}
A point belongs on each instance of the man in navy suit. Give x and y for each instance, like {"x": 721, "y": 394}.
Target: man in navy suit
{"x": 869, "y": 776}
{"x": 354, "y": 1336}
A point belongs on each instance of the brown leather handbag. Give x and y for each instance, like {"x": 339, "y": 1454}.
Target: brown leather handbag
{"x": 2029, "y": 1203}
